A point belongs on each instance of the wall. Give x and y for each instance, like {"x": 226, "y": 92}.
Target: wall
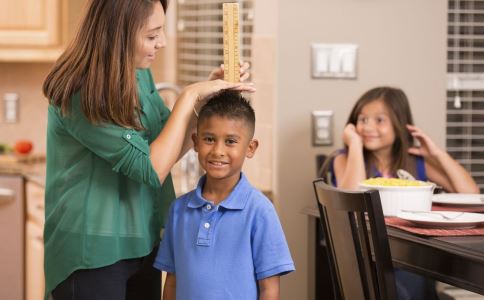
{"x": 26, "y": 80}
{"x": 401, "y": 43}
{"x": 261, "y": 168}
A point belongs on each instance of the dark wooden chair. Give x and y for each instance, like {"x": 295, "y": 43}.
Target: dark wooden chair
{"x": 358, "y": 248}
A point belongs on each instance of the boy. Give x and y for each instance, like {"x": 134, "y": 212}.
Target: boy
{"x": 223, "y": 240}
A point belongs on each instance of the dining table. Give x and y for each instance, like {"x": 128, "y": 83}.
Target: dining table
{"x": 456, "y": 260}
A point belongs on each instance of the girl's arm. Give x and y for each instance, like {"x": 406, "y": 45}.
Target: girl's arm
{"x": 269, "y": 288}
{"x": 167, "y": 147}
{"x": 349, "y": 169}
{"x": 169, "y": 290}
{"x": 441, "y": 167}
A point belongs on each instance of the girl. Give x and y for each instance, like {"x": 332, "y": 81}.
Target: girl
{"x": 110, "y": 146}
{"x": 379, "y": 139}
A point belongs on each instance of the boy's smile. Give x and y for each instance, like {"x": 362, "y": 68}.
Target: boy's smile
{"x": 222, "y": 145}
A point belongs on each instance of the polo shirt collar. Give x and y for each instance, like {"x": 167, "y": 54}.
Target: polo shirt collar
{"x": 237, "y": 199}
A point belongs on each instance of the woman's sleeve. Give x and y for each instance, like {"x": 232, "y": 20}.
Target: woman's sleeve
{"x": 124, "y": 149}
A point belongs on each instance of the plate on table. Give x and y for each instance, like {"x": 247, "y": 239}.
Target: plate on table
{"x": 443, "y": 219}
{"x": 455, "y": 199}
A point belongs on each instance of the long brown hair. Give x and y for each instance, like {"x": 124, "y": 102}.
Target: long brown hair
{"x": 400, "y": 114}
{"x": 398, "y": 106}
{"x": 100, "y": 63}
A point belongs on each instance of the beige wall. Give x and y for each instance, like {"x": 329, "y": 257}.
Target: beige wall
{"x": 26, "y": 80}
{"x": 401, "y": 43}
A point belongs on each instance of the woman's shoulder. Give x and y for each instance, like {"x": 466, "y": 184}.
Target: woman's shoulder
{"x": 74, "y": 105}
{"x": 144, "y": 75}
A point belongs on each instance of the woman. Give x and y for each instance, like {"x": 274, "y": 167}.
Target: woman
{"x": 110, "y": 146}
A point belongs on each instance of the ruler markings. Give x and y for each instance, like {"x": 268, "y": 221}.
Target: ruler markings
{"x": 231, "y": 42}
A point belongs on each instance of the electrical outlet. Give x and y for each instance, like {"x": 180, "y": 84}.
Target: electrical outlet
{"x": 322, "y": 127}
{"x": 11, "y": 101}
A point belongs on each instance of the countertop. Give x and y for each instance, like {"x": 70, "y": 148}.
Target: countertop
{"x": 34, "y": 172}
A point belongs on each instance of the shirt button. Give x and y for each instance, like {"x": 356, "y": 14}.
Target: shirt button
{"x": 206, "y": 225}
{"x": 128, "y": 136}
{"x": 208, "y": 207}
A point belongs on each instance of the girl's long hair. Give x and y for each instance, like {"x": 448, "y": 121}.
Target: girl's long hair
{"x": 398, "y": 106}
{"x": 100, "y": 63}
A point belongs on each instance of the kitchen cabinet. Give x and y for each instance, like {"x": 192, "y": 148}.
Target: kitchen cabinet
{"x": 34, "y": 260}
{"x": 36, "y": 30}
{"x": 12, "y": 219}
{"x": 34, "y": 244}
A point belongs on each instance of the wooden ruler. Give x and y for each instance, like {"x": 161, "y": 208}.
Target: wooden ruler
{"x": 231, "y": 42}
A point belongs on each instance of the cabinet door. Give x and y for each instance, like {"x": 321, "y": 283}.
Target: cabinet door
{"x": 30, "y": 29}
{"x": 35, "y": 202}
{"x": 29, "y": 22}
{"x": 12, "y": 222}
{"x": 35, "y": 262}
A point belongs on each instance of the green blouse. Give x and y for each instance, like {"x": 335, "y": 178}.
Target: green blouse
{"x": 103, "y": 201}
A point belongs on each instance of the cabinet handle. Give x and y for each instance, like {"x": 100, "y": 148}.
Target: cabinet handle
{"x": 6, "y": 195}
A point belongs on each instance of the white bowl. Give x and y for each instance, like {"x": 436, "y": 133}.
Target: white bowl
{"x": 394, "y": 199}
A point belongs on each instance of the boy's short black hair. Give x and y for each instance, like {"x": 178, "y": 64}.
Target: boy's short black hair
{"x": 229, "y": 104}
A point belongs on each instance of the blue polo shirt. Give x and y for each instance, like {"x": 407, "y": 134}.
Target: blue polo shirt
{"x": 220, "y": 251}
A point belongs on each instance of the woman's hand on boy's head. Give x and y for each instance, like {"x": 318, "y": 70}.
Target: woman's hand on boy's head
{"x": 427, "y": 147}
{"x": 204, "y": 89}
{"x": 218, "y": 73}
{"x": 351, "y": 136}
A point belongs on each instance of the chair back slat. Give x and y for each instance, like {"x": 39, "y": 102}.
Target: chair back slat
{"x": 357, "y": 241}
{"x": 347, "y": 268}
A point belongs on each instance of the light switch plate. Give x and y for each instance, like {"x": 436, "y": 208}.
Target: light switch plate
{"x": 322, "y": 127}
{"x": 333, "y": 60}
{"x": 11, "y": 105}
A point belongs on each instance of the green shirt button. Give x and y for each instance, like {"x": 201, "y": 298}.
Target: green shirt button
{"x": 128, "y": 136}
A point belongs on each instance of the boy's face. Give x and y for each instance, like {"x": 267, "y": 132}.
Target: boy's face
{"x": 222, "y": 145}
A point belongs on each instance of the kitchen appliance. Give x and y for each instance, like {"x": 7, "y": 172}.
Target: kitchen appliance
{"x": 12, "y": 220}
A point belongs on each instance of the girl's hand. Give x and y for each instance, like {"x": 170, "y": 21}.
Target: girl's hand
{"x": 427, "y": 148}
{"x": 351, "y": 137}
{"x": 218, "y": 73}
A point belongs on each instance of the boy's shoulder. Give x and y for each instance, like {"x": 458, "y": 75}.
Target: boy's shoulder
{"x": 258, "y": 200}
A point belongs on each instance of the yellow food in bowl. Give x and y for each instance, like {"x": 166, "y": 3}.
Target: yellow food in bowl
{"x": 382, "y": 181}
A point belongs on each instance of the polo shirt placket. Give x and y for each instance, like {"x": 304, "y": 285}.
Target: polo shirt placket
{"x": 210, "y": 214}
